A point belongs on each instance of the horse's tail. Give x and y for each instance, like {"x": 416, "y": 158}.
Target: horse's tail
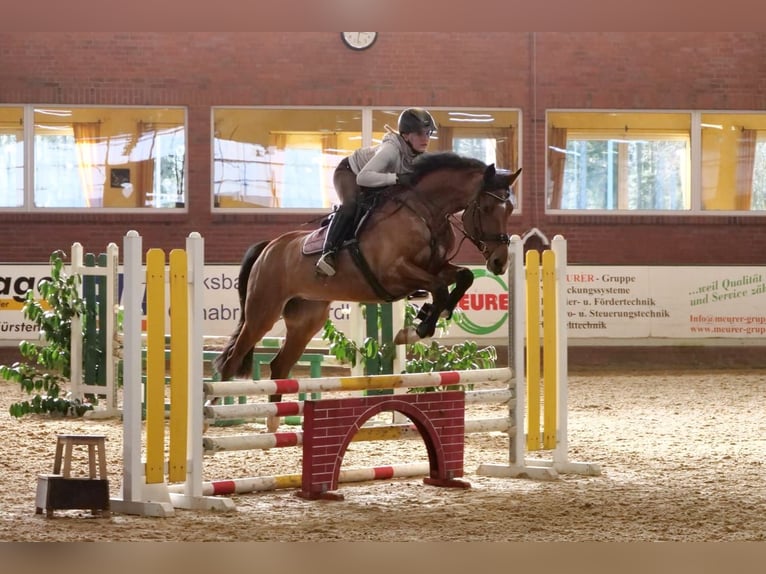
{"x": 248, "y": 260}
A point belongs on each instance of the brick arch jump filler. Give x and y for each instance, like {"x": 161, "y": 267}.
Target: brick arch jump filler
{"x": 330, "y": 424}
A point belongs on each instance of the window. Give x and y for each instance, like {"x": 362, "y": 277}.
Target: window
{"x": 11, "y": 157}
{"x": 642, "y": 161}
{"x": 280, "y": 158}
{"x": 266, "y": 158}
{"x": 93, "y": 158}
{"x": 491, "y": 136}
{"x": 733, "y": 161}
{"x": 619, "y": 161}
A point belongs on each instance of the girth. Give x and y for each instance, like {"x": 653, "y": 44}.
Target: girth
{"x": 361, "y": 262}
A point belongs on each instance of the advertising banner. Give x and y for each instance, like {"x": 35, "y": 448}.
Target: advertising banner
{"x": 15, "y": 281}
{"x": 602, "y": 302}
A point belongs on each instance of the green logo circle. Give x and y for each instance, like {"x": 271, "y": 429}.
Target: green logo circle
{"x": 462, "y": 320}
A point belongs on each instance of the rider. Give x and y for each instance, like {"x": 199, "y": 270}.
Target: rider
{"x": 378, "y": 166}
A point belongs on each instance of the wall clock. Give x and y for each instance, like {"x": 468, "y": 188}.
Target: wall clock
{"x": 359, "y": 40}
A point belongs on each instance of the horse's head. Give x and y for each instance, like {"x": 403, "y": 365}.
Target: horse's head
{"x": 485, "y": 219}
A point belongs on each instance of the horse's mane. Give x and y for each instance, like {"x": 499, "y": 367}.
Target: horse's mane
{"x": 435, "y": 161}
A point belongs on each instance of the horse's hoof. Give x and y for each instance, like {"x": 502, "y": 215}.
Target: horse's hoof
{"x": 272, "y": 423}
{"x": 406, "y": 336}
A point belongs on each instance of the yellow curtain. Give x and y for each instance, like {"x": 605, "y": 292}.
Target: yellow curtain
{"x": 144, "y": 182}
{"x": 505, "y": 150}
{"x": 557, "y": 144}
{"x": 144, "y": 186}
{"x": 277, "y": 144}
{"x": 86, "y": 138}
{"x": 330, "y": 160}
{"x": 444, "y": 141}
{"x": 745, "y": 165}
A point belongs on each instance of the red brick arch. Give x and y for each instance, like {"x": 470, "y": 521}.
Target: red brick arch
{"x": 330, "y": 424}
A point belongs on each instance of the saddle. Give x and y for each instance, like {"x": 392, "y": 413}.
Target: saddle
{"x": 315, "y": 240}
{"x": 367, "y": 204}
{"x": 369, "y": 200}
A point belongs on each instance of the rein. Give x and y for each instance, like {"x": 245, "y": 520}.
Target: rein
{"x": 479, "y": 240}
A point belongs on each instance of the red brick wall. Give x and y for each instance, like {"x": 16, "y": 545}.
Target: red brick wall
{"x": 330, "y": 424}
{"x": 531, "y": 71}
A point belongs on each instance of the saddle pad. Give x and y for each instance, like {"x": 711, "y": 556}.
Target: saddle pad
{"x": 314, "y": 241}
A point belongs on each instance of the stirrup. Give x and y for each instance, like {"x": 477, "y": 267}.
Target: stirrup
{"x": 325, "y": 264}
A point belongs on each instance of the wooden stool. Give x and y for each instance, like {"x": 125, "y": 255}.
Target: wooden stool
{"x": 60, "y": 491}
{"x": 66, "y": 443}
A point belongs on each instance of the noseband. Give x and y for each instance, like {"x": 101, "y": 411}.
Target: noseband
{"x": 480, "y": 238}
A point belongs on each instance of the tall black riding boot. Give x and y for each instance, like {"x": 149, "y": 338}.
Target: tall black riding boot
{"x": 339, "y": 227}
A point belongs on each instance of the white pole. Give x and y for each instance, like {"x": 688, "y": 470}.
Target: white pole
{"x": 75, "y": 345}
{"x": 357, "y": 334}
{"x": 397, "y": 323}
{"x": 133, "y": 475}
{"x": 195, "y": 253}
{"x": 517, "y": 285}
{"x": 559, "y": 248}
{"x": 112, "y": 258}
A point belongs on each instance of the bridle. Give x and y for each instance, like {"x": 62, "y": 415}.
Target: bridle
{"x": 480, "y": 238}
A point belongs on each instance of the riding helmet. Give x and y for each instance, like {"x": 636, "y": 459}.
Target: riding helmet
{"x": 415, "y": 120}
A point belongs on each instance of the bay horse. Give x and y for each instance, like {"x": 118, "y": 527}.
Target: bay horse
{"x": 405, "y": 244}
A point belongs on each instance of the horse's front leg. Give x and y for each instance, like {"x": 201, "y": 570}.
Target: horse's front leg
{"x": 428, "y": 316}
{"x": 427, "y": 326}
{"x": 463, "y": 282}
{"x": 445, "y": 301}
{"x": 429, "y": 312}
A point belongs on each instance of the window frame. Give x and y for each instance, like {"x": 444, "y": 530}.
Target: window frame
{"x": 29, "y": 135}
{"x": 18, "y": 131}
{"x": 694, "y": 176}
{"x": 367, "y": 139}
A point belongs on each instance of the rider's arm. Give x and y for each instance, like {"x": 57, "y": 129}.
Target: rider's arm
{"x": 380, "y": 171}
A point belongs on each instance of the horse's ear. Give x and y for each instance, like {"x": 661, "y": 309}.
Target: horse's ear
{"x": 514, "y": 177}
{"x": 489, "y": 173}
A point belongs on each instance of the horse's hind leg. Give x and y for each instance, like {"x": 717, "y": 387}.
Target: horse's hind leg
{"x": 259, "y": 316}
{"x": 302, "y": 321}
{"x": 225, "y": 367}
